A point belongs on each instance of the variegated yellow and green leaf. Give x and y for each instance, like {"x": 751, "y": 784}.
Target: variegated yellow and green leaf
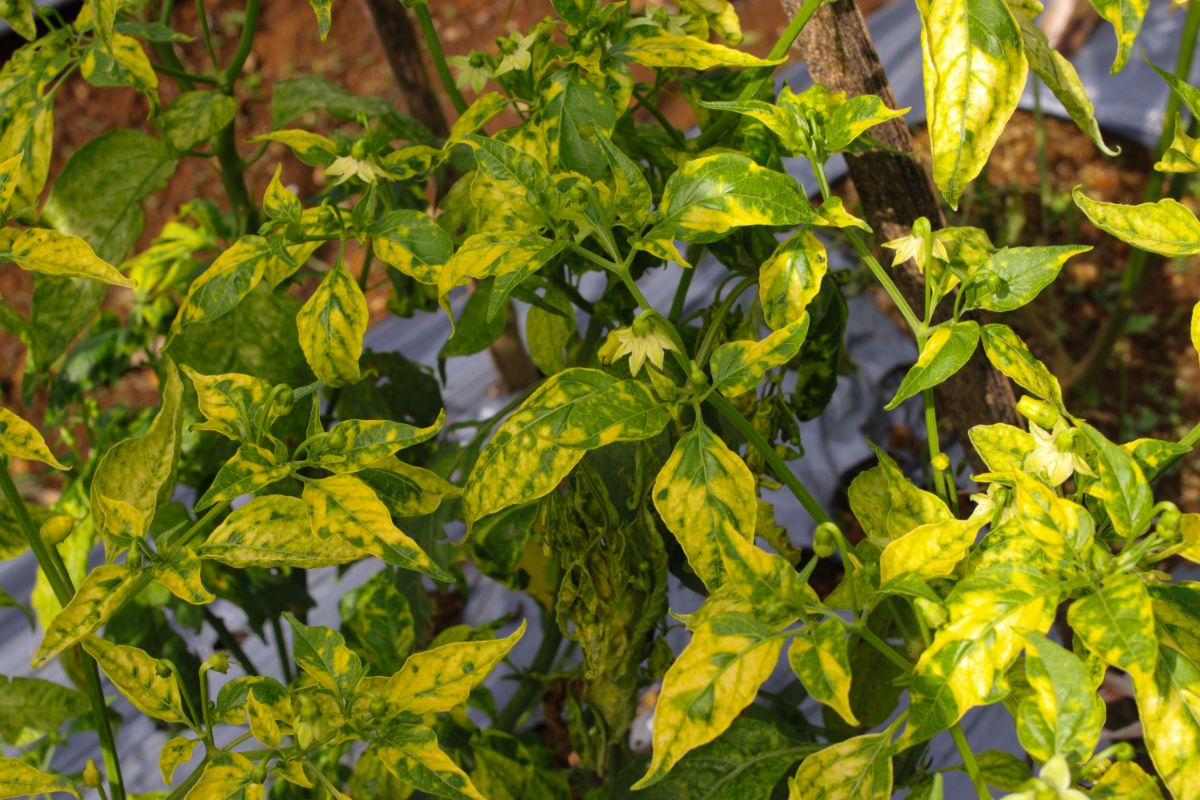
{"x": 228, "y": 402}
{"x": 147, "y": 682}
{"x": 175, "y": 751}
{"x": 1125, "y": 780}
{"x": 225, "y": 777}
{"x": 323, "y": 654}
{"x": 355, "y": 444}
{"x": 975, "y": 71}
{"x": 820, "y": 659}
{"x": 1011, "y": 356}
{"x": 990, "y": 612}
{"x": 658, "y": 49}
{"x": 791, "y": 278}
{"x": 631, "y": 193}
{"x": 1182, "y": 154}
{"x": 10, "y": 169}
{"x": 766, "y": 581}
{"x": 1116, "y": 623}
{"x": 716, "y": 676}
{"x": 251, "y": 469}
{"x": 102, "y": 593}
{"x": 275, "y": 531}
{"x": 412, "y": 243}
{"x": 859, "y": 768}
{"x": 229, "y": 278}
{"x": 19, "y": 439}
{"x": 406, "y": 490}
{"x": 1168, "y": 700}
{"x": 1166, "y": 227}
{"x": 1002, "y": 447}
{"x": 52, "y": 253}
{"x": 179, "y": 571}
{"x": 262, "y": 722}
{"x": 705, "y": 493}
{"x": 948, "y": 347}
{"x": 442, "y": 677}
{"x": 411, "y": 753}
{"x": 343, "y": 508}
{"x": 1126, "y": 18}
{"x": 1063, "y": 715}
{"x": 929, "y": 551}
{"x": 508, "y": 256}
{"x": 1043, "y": 529}
{"x": 18, "y": 779}
{"x": 1013, "y": 276}
{"x": 738, "y": 367}
{"x": 1122, "y": 487}
{"x": 331, "y": 327}
{"x": 888, "y": 505}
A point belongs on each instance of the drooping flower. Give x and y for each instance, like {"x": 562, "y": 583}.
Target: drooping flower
{"x": 345, "y": 167}
{"x": 918, "y": 245}
{"x": 473, "y": 71}
{"x": 643, "y": 341}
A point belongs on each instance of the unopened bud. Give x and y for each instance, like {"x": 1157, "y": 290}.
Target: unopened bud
{"x": 163, "y": 668}
{"x": 941, "y": 462}
{"x": 57, "y": 528}
{"x": 825, "y": 539}
{"x": 91, "y": 775}
{"x": 1038, "y": 411}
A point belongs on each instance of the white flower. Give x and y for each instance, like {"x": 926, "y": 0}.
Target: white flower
{"x": 1053, "y": 781}
{"x": 641, "y": 342}
{"x": 918, "y": 245}
{"x": 345, "y": 167}
{"x": 1055, "y": 456}
{"x": 472, "y": 72}
{"x": 518, "y": 58}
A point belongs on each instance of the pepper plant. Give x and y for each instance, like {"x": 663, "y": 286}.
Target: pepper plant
{"x": 281, "y": 447}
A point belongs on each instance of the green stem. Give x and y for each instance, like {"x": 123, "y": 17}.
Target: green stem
{"x": 968, "y": 757}
{"x": 1039, "y": 138}
{"x": 249, "y": 29}
{"x": 60, "y": 582}
{"x": 685, "y": 282}
{"x": 784, "y": 43}
{"x": 530, "y": 687}
{"x": 206, "y": 34}
{"x": 777, "y": 464}
{"x": 714, "y": 325}
{"x": 182, "y": 789}
{"x": 285, "y": 663}
{"x": 230, "y": 642}
{"x": 885, "y": 649}
{"x": 1135, "y": 270}
{"x": 429, "y": 32}
{"x": 942, "y": 481}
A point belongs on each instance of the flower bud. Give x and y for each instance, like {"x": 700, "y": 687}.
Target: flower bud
{"x": 1168, "y": 524}
{"x": 379, "y": 707}
{"x": 259, "y": 773}
{"x": 91, "y": 775}
{"x": 57, "y": 528}
{"x": 1037, "y": 411}
{"x": 825, "y": 539}
{"x": 941, "y": 462}
{"x": 164, "y": 668}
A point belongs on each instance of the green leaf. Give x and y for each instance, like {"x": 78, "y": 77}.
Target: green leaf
{"x": 31, "y": 708}
{"x": 195, "y": 117}
{"x": 251, "y": 469}
{"x": 21, "y": 15}
{"x": 412, "y": 243}
{"x": 1060, "y": 77}
{"x": 929, "y": 551}
{"x": 354, "y": 444}
{"x": 888, "y": 505}
{"x": 1168, "y": 702}
{"x": 1064, "y": 715}
{"x": 661, "y": 50}
{"x": 177, "y": 750}
{"x": 323, "y": 654}
{"x": 322, "y": 9}
{"x": 1126, "y": 18}
{"x": 549, "y": 334}
{"x": 144, "y": 680}
{"x": 343, "y": 508}
{"x": 274, "y": 531}
{"x": 441, "y": 678}
{"x": 295, "y": 97}
{"x": 534, "y": 449}
{"x": 822, "y": 662}
{"x": 141, "y": 470}
{"x": 790, "y": 279}
{"x": 705, "y": 493}
{"x": 990, "y": 612}
{"x": 1122, "y": 487}
{"x": 747, "y": 761}
{"x": 947, "y": 349}
{"x": 1014, "y": 276}
{"x": 975, "y": 70}
{"x": 708, "y": 197}
{"x": 737, "y": 367}
{"x": 713, "y": 679}
{"x": 1166, "y": 227}
{"x": 18, "y": 779}
{"x": 123, "y": 63}
{"x": 1011, "y": 356}
{"x": 575, "y": 116}
{"x": 855, "y": 769}
{"x": 19, "y": 439}
{"x": 331, "y": 326}
{"x": 1116, "y": 623}
{"x": 53, "y": 253}
{"x": 411, "y": 753}
{"x": 130, "y": 166}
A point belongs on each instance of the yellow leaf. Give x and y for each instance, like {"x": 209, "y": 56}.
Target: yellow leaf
{"x": 331, "y": 327}
{"x": 929, "y": 551}
{"x": 102, "y": 593}
{"x": 791, "y": 278}
{"x": 1168, "y": 701}
{"x": 855, "y": 769}
{"x": 227, "y": 402}
{"x": 225, "y": 777}
{"x": 275, "y": 531}
{"x": 821, "y": 660}
{"x": 1166, "y": 227}
{"x": 18, "y": 779}
{"x": 19, "y": 439}
{"x": 179, "y": 571}
{"x": 262, "y": 721}
{"x": 145, "y": 681}
{"x": 177, "y": 750}
{"x": 53, "y": 253}
{"x": 441, "y": 678}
